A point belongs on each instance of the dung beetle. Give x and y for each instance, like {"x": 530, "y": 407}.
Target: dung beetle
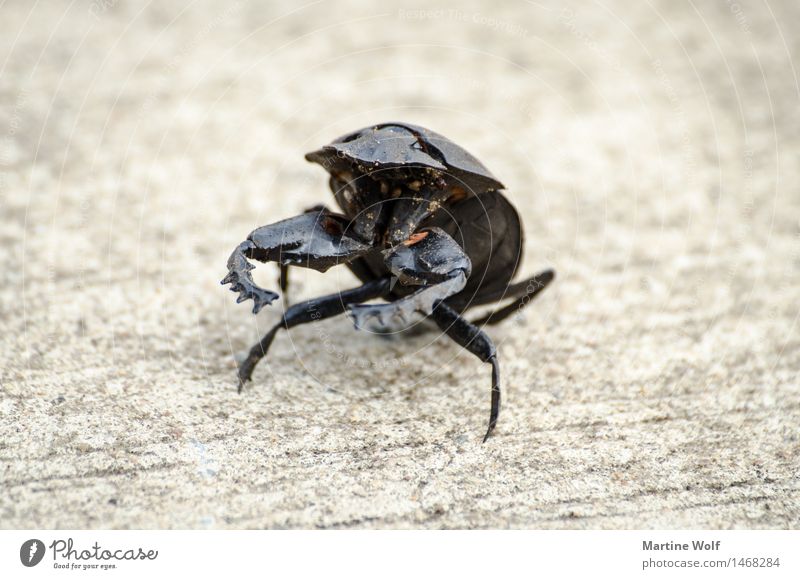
{"x": 424, "y": 226}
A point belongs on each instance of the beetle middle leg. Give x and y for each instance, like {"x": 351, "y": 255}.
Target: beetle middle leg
{"x": 311, "y": 311}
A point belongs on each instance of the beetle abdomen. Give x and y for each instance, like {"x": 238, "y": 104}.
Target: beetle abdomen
{"x": 489, "y": 230}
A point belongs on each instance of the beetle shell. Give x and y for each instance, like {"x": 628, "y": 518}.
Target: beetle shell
{"x": 401, "y": 146}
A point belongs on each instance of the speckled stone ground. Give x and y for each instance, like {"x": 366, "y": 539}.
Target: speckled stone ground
{"x": 653, "y": 150}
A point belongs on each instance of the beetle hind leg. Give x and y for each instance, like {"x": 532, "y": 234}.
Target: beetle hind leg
{"x": 478, "y": 343}
{"x": 522, "y": 292}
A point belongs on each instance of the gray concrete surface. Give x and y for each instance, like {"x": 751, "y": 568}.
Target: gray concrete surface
{"x": 652, "y": 149}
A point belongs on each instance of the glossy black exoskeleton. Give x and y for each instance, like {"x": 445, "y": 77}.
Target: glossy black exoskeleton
{"x": 424, "y": 226}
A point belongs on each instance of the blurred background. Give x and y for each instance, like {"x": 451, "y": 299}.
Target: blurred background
{"x": 651, "y": 149}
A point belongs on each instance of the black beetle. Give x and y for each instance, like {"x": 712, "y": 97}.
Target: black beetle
{"x": 424, "y": 226}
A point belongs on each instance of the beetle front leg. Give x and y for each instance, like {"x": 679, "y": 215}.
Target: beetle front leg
{"x": 316, "y": 240}
{"x": 431, "y": 260}
{"x": 477, "y": 342}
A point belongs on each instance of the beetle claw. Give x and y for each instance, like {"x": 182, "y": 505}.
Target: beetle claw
{"x": 239, "y": 278}
{"x": 260, "y": 297}
{"x": 363, "y": 313}
{"x": 402, "y": 314}
{"x": 359, "y": 315}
